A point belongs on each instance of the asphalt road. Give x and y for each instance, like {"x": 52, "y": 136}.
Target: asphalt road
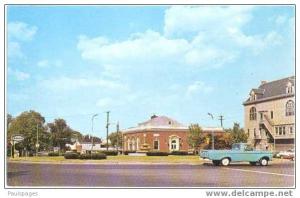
{"x": 150, "y": 175}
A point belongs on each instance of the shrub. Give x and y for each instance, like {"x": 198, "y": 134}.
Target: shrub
{"x": 179, "y": 153}
{"x": 51, "y": 154}
{"x": 157, "y": 153}
{"x": 98, "y": 156}
{"x": 71, "y": 155}
{"x": 127, "y": 152}
{"x": 110, "y": 152}
{"x": 93, "y": 156}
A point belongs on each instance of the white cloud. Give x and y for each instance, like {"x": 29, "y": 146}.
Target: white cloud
{"x": 198, "y": 87}
{"x": 67, "y": 83}
{"x": 21, "y": 31}
{"x": 43, "y": 63}
{"x": 17, "y": 33}
{"x": 18, "y": 75}
{"x": 181, "y": 20}
{"x": 14, "y": 50}
{"x": 46, "y": 63}
{"x": 104, "y": 102}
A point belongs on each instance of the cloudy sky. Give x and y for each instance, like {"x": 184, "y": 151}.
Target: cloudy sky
{"x": 182, "y": 61}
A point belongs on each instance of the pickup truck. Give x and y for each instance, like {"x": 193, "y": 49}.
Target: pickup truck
{"x": 240, "y": 152}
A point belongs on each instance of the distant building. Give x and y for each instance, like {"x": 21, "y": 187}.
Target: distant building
{"x": 269, "y": 114}
{"x": 160, "y": 133}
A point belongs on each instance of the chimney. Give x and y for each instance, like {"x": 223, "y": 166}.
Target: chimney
{"x": 154, "y": 116}
{"x": 263, "y": 82}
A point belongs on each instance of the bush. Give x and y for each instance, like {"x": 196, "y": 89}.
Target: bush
{"x": 179, "y": 153}
{"x": 98, "y": 156}
{"x": 127, "y": 152}
{"x": 110, "y": 152}
{"x": 94, "y": 156}
{"x": 51, "y": 154}
{"x": 72, "y": 155}
{"x": 157, "y": 153}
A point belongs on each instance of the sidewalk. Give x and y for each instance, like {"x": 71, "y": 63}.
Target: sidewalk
{"x": 194, "y": 160}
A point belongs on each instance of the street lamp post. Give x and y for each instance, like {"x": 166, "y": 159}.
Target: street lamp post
{"x": 37, "y": 139}
{"x": 212, "y": 134}
{"x": 95, "y": 115}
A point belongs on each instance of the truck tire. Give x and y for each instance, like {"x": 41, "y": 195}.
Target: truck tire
{"x": 216, "y": 162}
{"x": 225, "y": 161}
{"x": 263, "y": 162}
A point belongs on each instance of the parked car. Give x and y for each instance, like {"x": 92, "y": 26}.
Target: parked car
{"x": 289, "y": 154}
{"x": 240, "y": 152}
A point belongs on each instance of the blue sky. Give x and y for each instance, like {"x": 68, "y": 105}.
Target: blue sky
{"x": 74, "y": 61}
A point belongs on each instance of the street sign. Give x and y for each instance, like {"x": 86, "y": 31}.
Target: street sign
{"x": 18, "y": 138}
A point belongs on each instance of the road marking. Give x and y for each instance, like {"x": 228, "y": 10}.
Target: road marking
{"x": 270, "y": 173}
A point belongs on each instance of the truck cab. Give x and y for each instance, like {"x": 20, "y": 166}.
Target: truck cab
{"x": 240, "y": 152}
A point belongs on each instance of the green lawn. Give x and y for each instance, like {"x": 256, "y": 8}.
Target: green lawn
{"x": 116, "y": 159}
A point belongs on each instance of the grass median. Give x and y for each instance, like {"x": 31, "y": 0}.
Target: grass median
{"x": 188, "y": 159}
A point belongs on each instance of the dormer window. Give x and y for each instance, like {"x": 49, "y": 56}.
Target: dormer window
{"x": 252, "y": 96}
{"x": 289, "y": 88}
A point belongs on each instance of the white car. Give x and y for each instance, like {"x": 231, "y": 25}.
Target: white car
{"x": 289, "y": 154}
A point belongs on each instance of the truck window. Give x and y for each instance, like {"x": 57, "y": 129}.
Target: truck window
{"x": 236, "y": 147}
{"x": 248, "y": 148}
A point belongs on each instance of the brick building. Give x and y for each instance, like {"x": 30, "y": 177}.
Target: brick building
{"x": 160, "y": 133}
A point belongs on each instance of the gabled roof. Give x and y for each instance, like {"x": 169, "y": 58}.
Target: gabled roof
{"x": 272, "y": 90}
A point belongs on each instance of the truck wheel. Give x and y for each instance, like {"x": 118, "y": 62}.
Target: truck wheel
{"x": 263, "y": 162}
{"x": 225, "y": 161}
{"x": 252, "y": 163}
{"x": 216, "y": 162}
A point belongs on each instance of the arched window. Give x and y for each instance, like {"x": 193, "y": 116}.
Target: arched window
{"x": 289, "y": 108}
{"x": 253, "y": 113}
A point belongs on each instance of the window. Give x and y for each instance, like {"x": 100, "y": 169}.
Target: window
{"x": 280, "y": 131}
{"x": 272, "y": 114}
{"x": 254, "y": 132}
{"x": 248, "y": 132}
{"x": 173, "y": 144}
{"x": 276, "y": 129}
{"x": 283, "y": 130}
{"x": 291, "y": 130}
{"x": 289, "y": 88}
{"x": 253, "y": 113}
{"x": 289, "y": 108}
{"x": 261, "y": 115}
{"x": 155, "y": 145}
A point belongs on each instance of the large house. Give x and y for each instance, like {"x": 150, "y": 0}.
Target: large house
{"x": 269, "y": 114}
{"x": 159, "y": 133}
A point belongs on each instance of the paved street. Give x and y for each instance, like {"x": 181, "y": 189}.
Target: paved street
{"x": 150, "y": 175}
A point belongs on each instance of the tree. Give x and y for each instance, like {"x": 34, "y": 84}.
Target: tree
{"x": 9, "y": 119}
{"x": 27, "y": 124}
{"x": 115, "y": 139}
{"x": 61, "y": 133}
{"x": 237, "y": 134}
{"x": 195, "y": 136}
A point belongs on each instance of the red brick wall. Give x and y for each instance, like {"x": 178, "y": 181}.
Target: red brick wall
{"x": 163, "y": 139}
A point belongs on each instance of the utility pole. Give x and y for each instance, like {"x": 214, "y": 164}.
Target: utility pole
{"x": 107, "y": 124}
{"x": 118, "y": 137}
{"x": 221, "y": 119}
